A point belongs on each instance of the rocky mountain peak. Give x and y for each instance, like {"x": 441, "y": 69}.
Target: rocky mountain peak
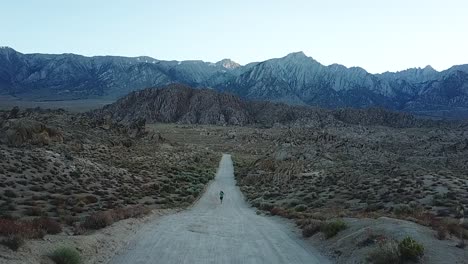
{"x": 297, "y": 54}
{"x": 429, "y": 68}
{"x": 228, "y": 64}
{"x": 6, "y": 49}
{"x": 299, "y": 58}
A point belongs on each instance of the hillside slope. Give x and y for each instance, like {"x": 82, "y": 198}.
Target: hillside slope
{"x": 177, "y": 103}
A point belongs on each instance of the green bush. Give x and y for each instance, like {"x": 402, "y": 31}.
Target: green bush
{"x": 330, "y": 229}
{"x": 300, "y": 208}
{"x": 387, "y": 253}
{"x": 66, "y": 255}
{"x": 410, "y": 249}
{"x": 13, "y": 242}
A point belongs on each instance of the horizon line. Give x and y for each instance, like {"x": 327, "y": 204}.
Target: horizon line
{"x": 226, "y": 58}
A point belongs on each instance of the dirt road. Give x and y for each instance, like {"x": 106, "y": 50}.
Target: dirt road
{"x": 211, "y": 232}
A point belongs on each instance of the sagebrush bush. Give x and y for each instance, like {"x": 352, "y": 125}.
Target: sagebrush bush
{"x": 103, "y": 219}
{"x": 10, "y": 193}
{"x": 278, "y": 211}
{"x": 410, "y": 249}
{"x": 9, "y": 227}
{"x": 386, "y": 253}
{"x": 266, "y": 206}
{"x": 403, "y": 209}
{"x": 455, "y": 229}
{"x": 300, "y": 208}
{"x": 50, "y": 226}
{"x": 13, "y": 242}
{"x": 35, "y": 211}
{"x": 98, "y": 220}
{"x": 442, "y": 232}
{"x": 65, "y": 255}
{"x": 311, "y": 228}
{"x": 330, "y": 229}
{"x": 36, "y": 228}
{"x": 130, "y": 212}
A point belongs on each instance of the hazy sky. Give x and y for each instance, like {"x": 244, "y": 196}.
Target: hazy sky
{"x": 376, "y": 35}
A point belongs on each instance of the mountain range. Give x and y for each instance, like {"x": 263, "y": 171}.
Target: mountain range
{"x": 294, "y": 79}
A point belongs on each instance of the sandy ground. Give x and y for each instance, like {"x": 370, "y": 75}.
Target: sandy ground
{"x": 97, "y": 247}
{"x": 345, "y": 247}
{"x": 211, "y": 232}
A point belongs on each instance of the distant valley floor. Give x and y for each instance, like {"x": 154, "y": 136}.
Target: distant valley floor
{"x": 81, "y": 105}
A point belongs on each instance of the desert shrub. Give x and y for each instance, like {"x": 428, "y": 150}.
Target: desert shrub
{"x": 302, "y": 222}
{"x": 37, "y": 188}
{"x": 10, "y": 193}
{"x": 442, "y": 232}
{"x": 8, "y": 227}
{"x": 54, "y": 132}
{"x": 68, "y": 156}
{"x": 293, "y": 202}
{"x": 98, "y": 220}
{"x": 127, "y": 143}
{"x": 386, "y": 253}
{"x": 277, "y": 211}
{"x": 70, "y": 220}
{"x": 319, "y": 216}
{"x": 130, "y": 212}
{"x": 455, "y": 229}
{"x": 300, "y": 208}
{"x": 50, "y": 226}
{"x": 103, "y": 219}
{"x": 266, "y": 206}
{"x": 330, "y": 229}
{"x": 90, "y": 199}
{"x": 27, "y": 229}
{"x": 410, "y": 249}
{"x": 311, "y": 228}
{"x": 13, "y": 242}
{"x": 167, "y": 188}
{"x": 35, "y": 211}
{"x": 76, "y": 173}
{"x": 403, "y": 209}
{"x": 65, "y": 255}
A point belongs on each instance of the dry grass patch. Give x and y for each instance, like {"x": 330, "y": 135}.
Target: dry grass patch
{"x": 387, "y": 252}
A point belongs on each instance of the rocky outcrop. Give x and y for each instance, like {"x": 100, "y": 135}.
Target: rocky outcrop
{"x": 179, "y": 103}
{"x": 17, "y": 132}
{"x": 182, "y": 104}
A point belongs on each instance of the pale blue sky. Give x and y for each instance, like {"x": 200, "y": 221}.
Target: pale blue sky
{"x": 376, "y": 35}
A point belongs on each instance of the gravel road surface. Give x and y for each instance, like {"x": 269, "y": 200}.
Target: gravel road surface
{"x": 211, "y": 232}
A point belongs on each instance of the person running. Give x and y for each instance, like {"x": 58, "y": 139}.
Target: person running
{"x": 221, "y": 195}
